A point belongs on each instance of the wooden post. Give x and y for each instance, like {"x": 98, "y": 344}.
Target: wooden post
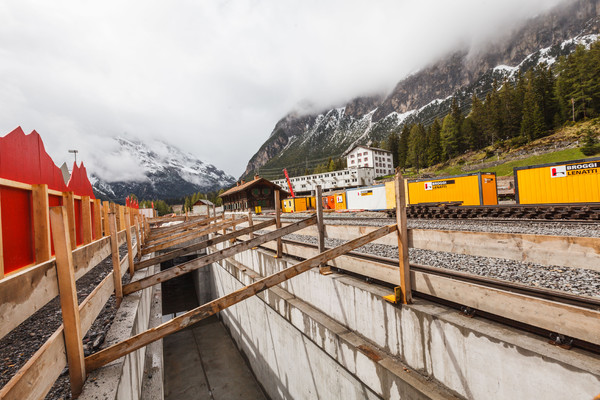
{"x": 250, "y": 223}
{"x": 86, "y": 219}
{"x": 278, "y": 223}
{"x": 68, "y": 299}
{"x": 116, "y": 261}
{"x": 324, "y": 269}
{"x": 69, "y": 203}
{"x": 214, "y": 210}
{"x": 405, "y": 284}
{"x": 98, "y": 219}
{"x": 1, "y": 245}
{"x": 105, "y": 212}
{"x": 137, "y": 237}
{"x": 129, "y": 244}
{"x": 41, "y": 223}
{"x": 121, "y": 218}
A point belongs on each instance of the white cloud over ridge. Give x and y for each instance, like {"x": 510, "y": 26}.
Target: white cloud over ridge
{"x": 214, "y": 77}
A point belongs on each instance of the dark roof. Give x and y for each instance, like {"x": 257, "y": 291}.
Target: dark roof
{"x": 251, "y": 183}
{"x": 203, "y": 201}
{"x": 366, "y": 147}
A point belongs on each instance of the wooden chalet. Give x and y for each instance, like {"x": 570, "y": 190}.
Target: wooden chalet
{"x": 248, "y": 195}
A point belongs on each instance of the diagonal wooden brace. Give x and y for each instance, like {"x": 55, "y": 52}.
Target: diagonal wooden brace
{"x": 125, "y": 347}
{"x": 211, "y": 258}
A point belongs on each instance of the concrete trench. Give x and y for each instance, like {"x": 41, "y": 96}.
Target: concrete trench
{"x": 330, "y": 337}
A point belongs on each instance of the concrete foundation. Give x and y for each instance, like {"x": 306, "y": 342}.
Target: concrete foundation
{"x": 334, "y": 336}
{"x": 123, "y": 378}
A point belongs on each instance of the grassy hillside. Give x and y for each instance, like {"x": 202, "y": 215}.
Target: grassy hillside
{"x": 564, "y": 145}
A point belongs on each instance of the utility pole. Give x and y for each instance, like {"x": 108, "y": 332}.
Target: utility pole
{"x": 573, "y": 105}
{"x": 75, "y": 153}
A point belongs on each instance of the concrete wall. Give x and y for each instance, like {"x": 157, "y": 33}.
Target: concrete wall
{"x": 122, "y": 379}
{"x": 333, "y": 336}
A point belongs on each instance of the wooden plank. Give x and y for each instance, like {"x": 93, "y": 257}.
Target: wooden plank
{"x": 190, "y": 236}
{"x": 105, "y": 222}
{"x": 158, "y": 233}
{"x": 208, "y": 259}
{"x": 86, "y": 219}
{"x": 68, "y": 298}
{"x": 401, "y": 221}
{"x": 199, "y": 246}
{"x": 69, "y": 203}
{"x": 569, "y": 320}
{"x": 129, "y": 243}
{"x": 41, "y": 223}
{"x": 189, "y": 318}
{"x": 98, "y": 219}
{"x": 15, "y": 184}
{"x": 1, "y": 246}
{"x": 193, "y": 231}
{"x": 116, "y": 262}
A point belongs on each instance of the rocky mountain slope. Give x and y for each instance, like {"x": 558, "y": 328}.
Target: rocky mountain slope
{"x": 167, "y": 171}
{"x": 299, "y": 142}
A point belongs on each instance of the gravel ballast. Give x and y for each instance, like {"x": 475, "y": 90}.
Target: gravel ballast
{"x": 572, "y": 280}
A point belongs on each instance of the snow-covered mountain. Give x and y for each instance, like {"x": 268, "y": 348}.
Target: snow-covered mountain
{"x": 162, "y": 171}
{"x": 300, "y": 142}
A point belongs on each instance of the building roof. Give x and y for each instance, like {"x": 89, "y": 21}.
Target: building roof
{"x": 366, "y": 147}
{"x": 249, "y": 184}
{"x": 201, "y": 202}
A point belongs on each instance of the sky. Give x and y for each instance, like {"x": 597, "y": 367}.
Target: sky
{"x": 214, "y": 77}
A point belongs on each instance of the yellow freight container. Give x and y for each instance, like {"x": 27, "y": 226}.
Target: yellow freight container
{"x": 475, "y": 189}
{"x": 576, "y": 181}
{"x": 294, "y": 204}
{"x": 340, "y": 201}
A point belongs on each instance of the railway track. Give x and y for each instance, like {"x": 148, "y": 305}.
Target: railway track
{"x": 586, "y": 302}
{"x": 538, "y": 212}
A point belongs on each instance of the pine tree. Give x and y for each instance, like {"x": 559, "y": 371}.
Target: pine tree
{"x": 590, "y": 144}
{"x": 417, "y": 146}
{"x": 450, "y": 138}
{"x": 393, "y": 142}
{"x": 434, "y": 143}
{"x": 403, "y": 147}
{"x": 532, "y": 125}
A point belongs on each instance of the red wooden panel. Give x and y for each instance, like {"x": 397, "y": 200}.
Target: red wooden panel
{"x": 17, "y": 228}
{"x": 53, "y": 201}
{"x": 78, "y": 226}
{"x": 23, "y": 158}
{"x": 79, "y": 182}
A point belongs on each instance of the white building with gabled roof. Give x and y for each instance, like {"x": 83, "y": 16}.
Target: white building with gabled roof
{"x": 371, "y": 157}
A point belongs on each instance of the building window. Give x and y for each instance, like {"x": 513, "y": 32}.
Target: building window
{"x": 352, "y": 162}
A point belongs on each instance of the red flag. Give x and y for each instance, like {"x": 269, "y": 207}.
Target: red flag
{"x": 152, "y": 204}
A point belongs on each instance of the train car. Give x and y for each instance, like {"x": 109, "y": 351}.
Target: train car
{"x": 366, "y": 198}
{"x": 476, "y": 189}
{"x": 295, "y": 204}
{"x": 390, "y": 193}
{"x": 340, "y": 200}
{"x": 576, "y": 181}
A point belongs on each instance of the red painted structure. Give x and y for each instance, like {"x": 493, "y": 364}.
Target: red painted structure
{"x": 23, "y": 159}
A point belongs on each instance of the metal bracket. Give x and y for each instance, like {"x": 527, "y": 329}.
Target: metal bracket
{"x": 561, "y": 340}
{"x": 468, "y": 311}
{"x": 395, "y": 297}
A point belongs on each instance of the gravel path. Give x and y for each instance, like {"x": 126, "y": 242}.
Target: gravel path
{"x": 572, "y": 280}
{"x": 18, "y": 346}
{"x": 380, "y": 219}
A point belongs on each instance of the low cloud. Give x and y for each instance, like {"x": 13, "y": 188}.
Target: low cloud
{"x": 214, "y": 77}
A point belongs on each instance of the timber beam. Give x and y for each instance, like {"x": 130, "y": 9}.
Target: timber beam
{"x": 202, "y": 245}
{"x": 193, "y": 265}
{"x": 156, "y": 233}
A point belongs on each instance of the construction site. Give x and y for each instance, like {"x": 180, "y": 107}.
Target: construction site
{"x": 107, "y": 301}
